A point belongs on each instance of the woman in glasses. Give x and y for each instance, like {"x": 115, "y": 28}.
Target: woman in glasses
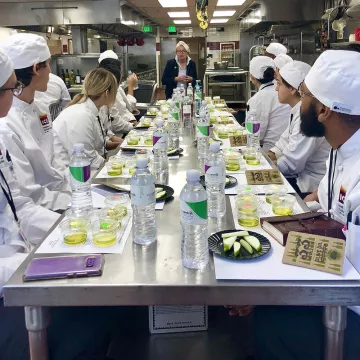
{"x": 27, "y": 130}
{"x": 181, "y": 70}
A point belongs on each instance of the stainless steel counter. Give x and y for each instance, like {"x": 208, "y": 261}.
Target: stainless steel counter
{"x": 154, "y": 275}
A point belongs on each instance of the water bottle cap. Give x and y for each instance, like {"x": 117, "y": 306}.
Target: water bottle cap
{"x": 193, "y": 175}
{"x": 159, "y": 123}
{"x": 78, "y": 147}
{"x": 215, "y": 147}
{"x": 141, "y": 163}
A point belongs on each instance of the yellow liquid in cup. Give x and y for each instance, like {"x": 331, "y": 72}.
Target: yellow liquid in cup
{"x": 268, "y": 198}
{"x": 232, "y": 165}
{"x": 248, "y": 222}
{"x": 148, "y": 141}
{"x": 115, "y": 172}
{"x": 253, "y": 162}
{"x": 104, "y": 239}
{"x": 282, "y": 211}
{"x": 118, "y": 213}
{"x": 132, "y": 171}
{"x": 75, "y": 239}
{"x": 133, "y": 141}
{"x": 223, "y": 135}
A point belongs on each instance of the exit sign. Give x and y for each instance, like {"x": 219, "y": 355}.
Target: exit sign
{"x": 172, "y": 29}
{"x": 147, "y": 29}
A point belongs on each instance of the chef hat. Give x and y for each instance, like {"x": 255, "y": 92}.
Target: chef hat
{"x": 6, "y": 68}
{"x": 25, "y": 50}
{"x": 294, "y": 73}
{"x": 276, "y": 49}
{"x": 184, "y": 45}
{"x": 108, "y": 54}
{"x": 282, "y": 60}
{"x": 259, "y": 64}
{"x": 335, "y": 81}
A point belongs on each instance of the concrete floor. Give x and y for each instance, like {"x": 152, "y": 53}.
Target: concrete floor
{"x": 228, "y": 338}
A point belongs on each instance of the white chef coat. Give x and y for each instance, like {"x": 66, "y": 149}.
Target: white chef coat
{"x": 34, "y": 222}
{"x": 79, "y": 123}
{"x": 56, "y": 92}
{"x": 346, "y": 193}
{"x": 300, "y": 156}
{"x": 129, "y": 100}
{"x": 29, "y": 138}
{"x": 273, "y": 115}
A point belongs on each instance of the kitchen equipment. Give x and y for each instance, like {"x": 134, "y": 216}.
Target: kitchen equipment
{"x": 338, "y": 26}
{"x": 223, "y": 65}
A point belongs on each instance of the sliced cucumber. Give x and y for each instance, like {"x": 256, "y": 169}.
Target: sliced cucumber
{"x": 237, "y": 247}
{"x": 172, "y": 151}
{"x": 229, "y": 243}
{"x": 254, "y": 242}
{"x": 246, "y": 246}
{"x": 160, "y": 195}
{"x": 227, "y": 181}
{"x": 159, "y": 190}
{"x": 237, "y": 233}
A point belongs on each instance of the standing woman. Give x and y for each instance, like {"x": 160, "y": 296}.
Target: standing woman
{"x": 181, "y": 70}
{"x": 80, "y": 121}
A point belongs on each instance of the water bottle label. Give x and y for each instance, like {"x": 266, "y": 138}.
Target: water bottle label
{"x": 198, "y": 96}
{"x": 187, "y": 109}
{"x": 253, "y": 128}
{"x": 143, "y": 195}
{"x": 81, "y": 174}
{"x": 160, "y": 141}
{"x": 214, "y": 174}
{"x": 193, "y": 213}
{"x": 175, "y": 116}
{"x": 177, "y": 105}
{"x": 202, "y": 131}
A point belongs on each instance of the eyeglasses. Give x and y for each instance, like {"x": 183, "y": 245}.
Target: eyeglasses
{"x": 181, "y": 51}
{"x": 303, "y": 93}
{"x": 17, "y": 89}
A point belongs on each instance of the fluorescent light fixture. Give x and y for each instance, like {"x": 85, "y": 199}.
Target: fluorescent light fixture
{"x": 218, "y": 21}
{"x": 179, "y": 14}
{"x": 182, "y": 22}
{"x": 173, "y": 3}
{"x": 129, "y": 22}
{"x": 230, "y": 2}
{"x": 219, "y": 13}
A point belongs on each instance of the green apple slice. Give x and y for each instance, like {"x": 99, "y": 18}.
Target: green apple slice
{"x": 229, "y": 243}
{"x": 247, "y": 246}
{"x": 254, "y": 242}
{"x": 237, "y": 247}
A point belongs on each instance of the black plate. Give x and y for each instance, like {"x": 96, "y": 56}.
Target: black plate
{"x": 233, "y": 181}
{"x": 216, "y": 245}
{"x": 169, "y": 192}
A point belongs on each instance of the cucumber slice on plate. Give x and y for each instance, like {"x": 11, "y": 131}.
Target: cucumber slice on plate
{"x": 227, "y": 181}
{"x": 237, "y": 247}
{"x": 229, "y": 243}
{"x": 254, "y": 242}
{"x": 159, "y": 190}
{"x": 160, "y": 195}
{"x": 172, "y": 152}
{"x": 247, "y": 246}
{"x": 237, "y": 233}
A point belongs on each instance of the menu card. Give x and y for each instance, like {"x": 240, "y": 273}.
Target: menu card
{"x": 315, "y": 252}
{"x": 238, "y": 140}
{"x": 263, "y": 177}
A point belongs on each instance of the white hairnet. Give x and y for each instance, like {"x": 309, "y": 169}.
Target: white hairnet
{"x": 6, "y": 68}
{"x": 108, "y": 54}
{"x": 259, "y": 64}
{"x": 276, "y": 49}
{"x": 282, "y": 60}
{"x": 294, "y": 73}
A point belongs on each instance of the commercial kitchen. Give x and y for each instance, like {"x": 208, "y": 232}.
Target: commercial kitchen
{"x": 179, "y": 179}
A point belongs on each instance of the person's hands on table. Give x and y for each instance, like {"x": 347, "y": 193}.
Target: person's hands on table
{"x": 182, "y": 78}
{"x": 189, "y": 79}
{"x": 312, "y": 197}
{"x": 136, "y": 112}
{"x": 271, "y": 155}
{"x": 240, "y": 310}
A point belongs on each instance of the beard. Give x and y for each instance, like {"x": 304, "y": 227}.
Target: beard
{"x": 310, "y": 125}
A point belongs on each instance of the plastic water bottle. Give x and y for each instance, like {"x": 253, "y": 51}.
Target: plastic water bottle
{"x": 80, "y": 180}
{"x": 253, "y": 127}
{"x": 182, "y": 92}
{"x": 202, "y": 131}
{"x": 198, "y": 98}
{"x": 187, "y": 112}
{"x": 194, "y": 222}
{"x": 173, "y": 125}
{"x": 190, "y": 92}
{"x": 143, "y": 200}
{"x": 161, "y": 161}
{"x": 130, "y": 73}
{"x": 215, "y": 180}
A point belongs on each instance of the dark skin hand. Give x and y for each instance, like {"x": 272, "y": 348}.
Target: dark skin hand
{"x": 271, "y": 155}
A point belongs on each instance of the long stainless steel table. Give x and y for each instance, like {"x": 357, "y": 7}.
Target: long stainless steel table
{"x": 154, "y": 275}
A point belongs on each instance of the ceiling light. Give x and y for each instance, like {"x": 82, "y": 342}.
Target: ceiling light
{"x": 173, "y": 3}
{"x": 219, "y": 21}
{"x": 97, "y": 36}
{"x": 230, "y": 2}
{"x": 224, "y": 13}
{"x": 182, "y": 22}
{"x": 179, "y": 14}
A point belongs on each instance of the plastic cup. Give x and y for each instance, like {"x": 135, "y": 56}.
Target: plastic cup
{"x": 247, "y": 211}
{"x": 153, "y": 111}
{"x": 133, "y": 139}
{"x": 145, "y": 121}
{"x": 253, "y": 157}
{"x": 223, "y": 132}
{"x": 148, "y": 139}
{"x": 115, "y": 166}
{"x": 232, "y": 161}
{"x": 117, "y": 205}
{"x": 283, "y": 204}
{"x": 274, "y": 189}
{"x": 74, "y": 231}
{"x": 104, "y": 231}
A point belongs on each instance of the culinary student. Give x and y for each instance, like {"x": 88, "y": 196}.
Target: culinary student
{"x": 271, "y": 113}
{"x": 302, "y": 160}
{"x": 331, "y": 108}
{"x": 80, "y": 121}
{"x": 275, "y": 49}
{"x": 280, "y": 61}
{"x": 56, "y": 92}
{"x": 132, "y": 80}
{"x": 27, "y": 130}
{"x": 121, "y": 119}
